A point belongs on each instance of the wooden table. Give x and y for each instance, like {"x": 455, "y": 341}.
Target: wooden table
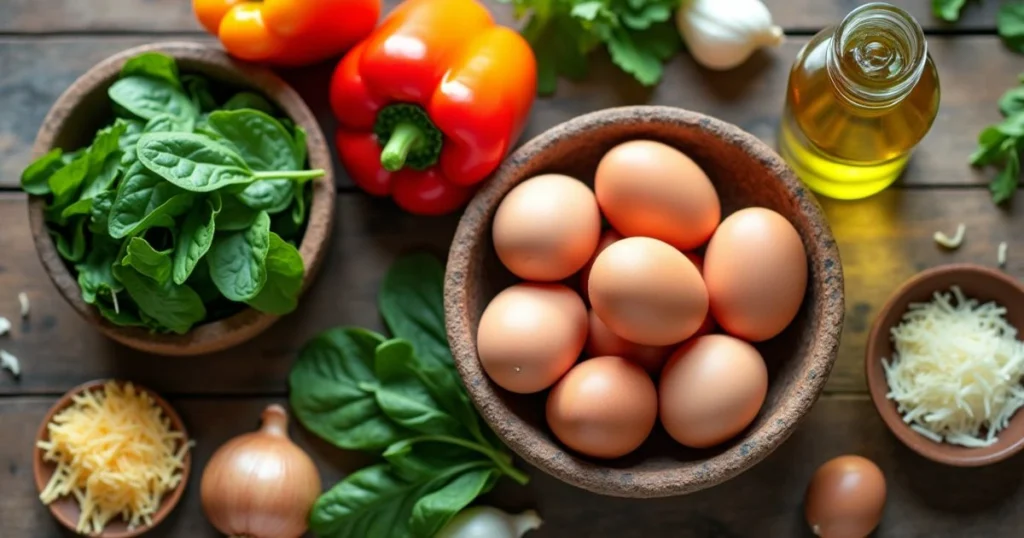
{"x": 46, "y": 44}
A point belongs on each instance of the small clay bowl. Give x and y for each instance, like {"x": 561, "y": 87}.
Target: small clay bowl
{"x": 746, "y": 173}
{"x": 84, "y": 108}
{"x": 66, "y": 509}
{"x": 976, "y": 282}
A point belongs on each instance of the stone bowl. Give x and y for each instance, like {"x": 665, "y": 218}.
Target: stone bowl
{"x": 746, "y": 172}
{"x": 66, "y": 509}
{"x": 84, "y": 107}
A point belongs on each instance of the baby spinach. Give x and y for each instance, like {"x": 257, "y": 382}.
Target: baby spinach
{"x": 404, "y": 402}
{"x": 166, "y": 205}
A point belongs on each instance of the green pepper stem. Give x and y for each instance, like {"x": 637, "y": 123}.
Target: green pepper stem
{"x": 300, "y": 175}
{"x": 403, "y": 138}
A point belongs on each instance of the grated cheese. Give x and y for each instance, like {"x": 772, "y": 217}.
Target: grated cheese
{"x": 115, "y": 453}
{"x": 951, "y": 242}
{"x": 957, "y": 368}
{"x": 23, "y": 300}
{"x": 5, "y": 325}
{"x": 1001, "y": 254}
{"x": 10, "y": 362}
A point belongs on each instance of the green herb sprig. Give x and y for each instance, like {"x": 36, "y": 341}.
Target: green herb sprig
{"x": 638, "y": 34}
{"x": 181, "y": 211}
{"x": 1000, "y": 145}
{"x": 400, "y": 399}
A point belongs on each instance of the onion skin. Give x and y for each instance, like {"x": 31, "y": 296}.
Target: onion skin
{"x": 261, "y": 484}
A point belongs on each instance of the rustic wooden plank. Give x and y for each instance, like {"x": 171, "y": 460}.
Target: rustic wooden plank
{"x": 924, "y": 499}
{"x": 38, "y": 70}
{"x": 883, "y": 241}
{"x": 37, "y": 16}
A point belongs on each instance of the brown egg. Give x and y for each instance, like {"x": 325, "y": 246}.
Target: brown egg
{"x": 530, "y": 335}
{"x": 845, "y": 498}
{"x": 650, "y": 189}
{"x": 711, "y": 389}
{"x": 547, "y": 228}
{"x": 608, "y": 237}
{"x": 647, "y": 292}
{"x": 755, "y": 269}
{"x": 604, "y": 407}
{"x": 708, "y": 326}
{"x": 602, "y": 341}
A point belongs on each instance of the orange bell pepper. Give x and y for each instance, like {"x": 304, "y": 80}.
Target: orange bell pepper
{"x": 287, "y": 32}
{"x": 430, "y": 103}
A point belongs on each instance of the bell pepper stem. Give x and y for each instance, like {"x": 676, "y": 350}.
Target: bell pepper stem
{"x": 403, "y": 138}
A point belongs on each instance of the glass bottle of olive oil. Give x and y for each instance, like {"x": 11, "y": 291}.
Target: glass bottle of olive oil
{"x": 861, "y": 95}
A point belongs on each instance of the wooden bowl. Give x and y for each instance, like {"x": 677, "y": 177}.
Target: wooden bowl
{"x": 66, "y": 509}
{"x": 746, "y": 172}
{"x": 84, "y": 107}
{"x": 976, "y": 282}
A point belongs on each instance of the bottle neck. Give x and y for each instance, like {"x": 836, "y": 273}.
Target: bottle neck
{"x": 877, "y": 55}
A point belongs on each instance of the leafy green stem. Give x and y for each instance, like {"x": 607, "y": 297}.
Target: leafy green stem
{"x": 500, "y": 459}
{"x": 300, "y": 175}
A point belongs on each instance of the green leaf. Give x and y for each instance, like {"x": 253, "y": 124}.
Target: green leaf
{"x": 234, "y": 215}
{"x": 270, "y": 195}
{"x": 36, "y": 177}
{"x": 153, "y": 65}
{"x": 262, "y": 142}
{"x": 249, "y": 100}
{"x": 81, "y": 207}
{"x": 303, "y": 196}
{"x": 301, "y": 149}
{"x": 147, "y": 98}
{"x": 1010, "y": 22}
{"x": 100, "y": 212}
{"x": 588, "y": 11}
{"x": 280, "y": 295}
{"x": 434, "y": 510}
{"x": 105, "y": 179}
{"x": 1012, "y": 101}
{"x": 238, "y": 260}
{"x": 195, "y": 237}
{"x": 661, "y": 40}
{"x": 95, "y": 273}
{"x": 561, "y": 45}
{"x": 990, "y": 147}
{"x": 192, "y": 162}
{"x": 411, "y": 301}
{"x": 419, "y": 457}
{"x": 198, "y": 89}
{"x": 147, "y": 260}
{"x": 1004, "y": 185}
{"x": 166, "y": 123}
{"x": 126, "y": 314}
{"x": 144, "y": 201}
{"x": 401, "y": 395}
{"x": 66, "y": 182}
{"x": 1012, "y": 126}
{"x": 326, "y": 395}
{"x": 176, "y": 308}
{"x": 947, "y": 10}
{"x": 200, "y": 281}
{"x": 71, "y": 249}
{"x": 643, "y": 63}
{"x": 132, "y": 132}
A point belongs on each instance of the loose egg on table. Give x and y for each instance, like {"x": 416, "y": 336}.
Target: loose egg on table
{"x": 647, "y": 292}
{"x": 530, "y": 334}
{"x": 711, "y": 389}
{"x": 650, "y": 189}
{"x": 755, "y": 270}
{"x": 547, "y": 228}
{"x": 845, "y": 498}
{"x": 604, "y": 407}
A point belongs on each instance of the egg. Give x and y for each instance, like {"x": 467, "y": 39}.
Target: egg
{"x": 602, "y": 341}
{"x": 547, "y": 228}
{"x": 650, "y": 189}
{"x": 711, "y": 389}
{"x": 530, "y": 335}
{"x": 605, "y": 407}
{"x": 647, "y": 292}
{"x": 607, "y": 238}
{"x": 708, "y": 326}
{"x": 845, "y": 498}
{"x": 755, "y": 269}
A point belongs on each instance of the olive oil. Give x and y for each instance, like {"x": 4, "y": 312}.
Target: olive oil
{"x": 861, "y": 96}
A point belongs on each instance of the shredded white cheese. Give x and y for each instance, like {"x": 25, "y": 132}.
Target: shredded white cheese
{"x": 956, "y": 372}
{"x": 5, "y": 325}
{"x": 951, "y": 242}
{"x": 10, "y": 362}
{"x": 1001, "y": 258}
{"x": 23, "y": 299}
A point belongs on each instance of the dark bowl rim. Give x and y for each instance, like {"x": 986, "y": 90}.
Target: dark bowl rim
{"x": 248, "y": 323}
{"x": 887, "y": 410}
{"x": 618, "y": 482}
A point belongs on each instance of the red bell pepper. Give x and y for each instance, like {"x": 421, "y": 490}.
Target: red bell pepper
{"x": 431, "y": 102}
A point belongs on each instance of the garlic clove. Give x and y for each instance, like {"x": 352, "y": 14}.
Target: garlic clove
{"x": 722, "y": 34}
{"x": 490, "y": 522}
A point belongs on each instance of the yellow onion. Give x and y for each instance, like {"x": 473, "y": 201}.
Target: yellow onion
{"x": 261, "y": 484}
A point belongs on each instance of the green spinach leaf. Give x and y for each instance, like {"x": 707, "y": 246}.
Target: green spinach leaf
{"x": 434, "y": 510}
{"x": 81, "y": 207}
{"x": 144, "y": 200}
{"x": 301, "y": 149}
{"x": 192, "y": 162}
{"x": 105, "y": 179}
{"x": 280, "y": 295}
{"x": 261, "y": 141}
{"x": 238, "y": 260}
{"x": 66, "y": 182}
{"x": 199, "y": 90}
{"x": 95, "y": 273}
{"x": 71, "y": 249}
{"x": 947, "y": 10}
{"x": 417, "y": 458}
{"x": 99, "y": 212}
{"x": 153, "y": 65}
{"x": 270, "y": 195}
{"x": 36, "y": 177}
{"x": 166, "y": 123}
{"x": 244, "y": 100}
{"x": 196, "y": 237}
{"x": 132, "y": 132}
{"x": 1010, "y": 22}
{"x": 326, "y": 395}
{"x": 147, "y": 97}
{"x": 147, "y": 260}
{"x": 411, "y": 300}
{"x": 403, "y": 397}
{"x": 175, "y": 307}
{"x": 234, "y": 215}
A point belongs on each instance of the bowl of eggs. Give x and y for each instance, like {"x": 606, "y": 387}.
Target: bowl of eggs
{"x": 644, "y": 301}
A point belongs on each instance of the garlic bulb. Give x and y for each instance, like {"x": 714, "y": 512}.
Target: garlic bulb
{"x": 488, "y": 522}
{"x": 722, "y": 34}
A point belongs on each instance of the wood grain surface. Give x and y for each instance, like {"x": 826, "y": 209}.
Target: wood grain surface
{"x": 46, "y": 44}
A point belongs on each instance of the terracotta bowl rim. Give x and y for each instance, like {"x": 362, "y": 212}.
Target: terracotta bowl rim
{"x": 245, "y": 325}
{"x": 172, "y": 498}
{"x": 591, "y": 474}
{"x": 877, "y": 386}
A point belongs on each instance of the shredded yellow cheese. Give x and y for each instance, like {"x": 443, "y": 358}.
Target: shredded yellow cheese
{"x": 957, "y": 368}
{"x": 116, "y": 453}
